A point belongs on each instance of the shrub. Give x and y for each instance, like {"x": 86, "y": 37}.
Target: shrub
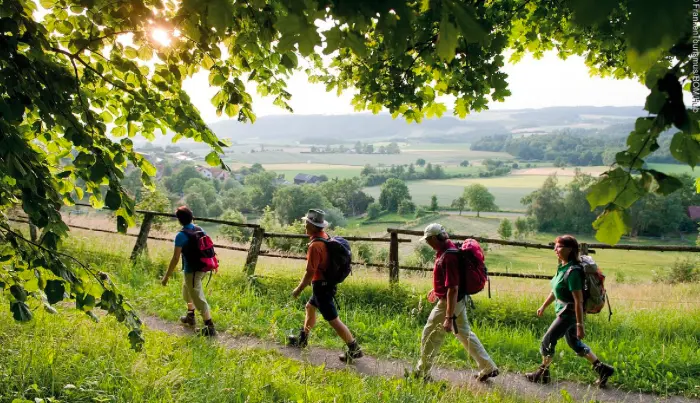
{"x": 683, "y": 271}
{"x": 374, "y": 211}
{"x": 364, "y": 252}
{"x": 233, "y": 233}
{"x": 406, "y": 207}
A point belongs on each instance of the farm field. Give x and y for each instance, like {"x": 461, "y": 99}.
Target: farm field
{"x": 659, "y": 319}
{"x": 451, "y": 154}
{"x": 676, "y": 169}
{"x": 508, "y": 190}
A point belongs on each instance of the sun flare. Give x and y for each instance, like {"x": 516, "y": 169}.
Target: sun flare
{"x": 161, "y": 36}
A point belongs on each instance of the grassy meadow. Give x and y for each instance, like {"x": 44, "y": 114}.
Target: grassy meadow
{"x": 652, "y": 339}
{"x": 69, "y": 358}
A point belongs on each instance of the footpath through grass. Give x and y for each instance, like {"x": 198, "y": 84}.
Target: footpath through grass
{"x": 69, "y": 358}
{"x": 653, "y": 350}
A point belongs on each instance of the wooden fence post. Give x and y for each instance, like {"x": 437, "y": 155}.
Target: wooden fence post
{"x": 584, "y": 249}
{"x": 254, "y": 250}
{"x": 394, "y": 258}
{"x": 142, "y": 239}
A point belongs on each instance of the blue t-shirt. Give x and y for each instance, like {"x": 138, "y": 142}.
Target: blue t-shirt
{"x": 180, "y": 241}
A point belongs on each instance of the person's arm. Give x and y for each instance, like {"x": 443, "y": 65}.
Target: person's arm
{"x": 578, "y": 308}
{"x": 173, "y": 263}
{"x": 450, "y": 311}
{"x": 312, "y": 261}
{"x": 304, "y": 283}
{"x": 547, "y": 302}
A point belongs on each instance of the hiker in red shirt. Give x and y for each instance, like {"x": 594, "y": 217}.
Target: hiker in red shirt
{"x": 450, "y": 314}
{"x": 323, "y": 297}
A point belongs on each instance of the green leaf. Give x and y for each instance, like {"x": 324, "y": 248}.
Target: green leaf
{"x": 213, "y": 159}
{"x": 107, "y": 117}
{"x": 64, "y": 27}
{"x": 207, "y": 62}
{"x": 130, "y": 52}
{"x": 145, "y": 53}
{"x": 685, "y": 149}
{"x": 610, "y": 226}
{"x": 465, "y": 16}
{"x": 147, "y": 167}
{"x": 18, "y": 292}
{"x": 122, "y": 225}
{"x": 113, "y": 200}
{"x": 655, "y": 101}
{"x": 232, "y": 110}
{"x": 136, "y": 340}
{"x": 289, "y": 60}
{"x": 216, "y": 79}
{"x": 447, "y": 39}
{"x": 20, "y": 311}
{"x": 667, "y": 184}
{"x": 616, "y": 187}
{"x": 334, "y": 39}
{"x": 219, "y": 15}
{"x": 84, "y": 301}
{"x": 589, "y": 12}
{"x": 47, "y": 4}
{"x": 357, "y": 44}
{"x": 697, "y": 185}
{"x": 55, "y": 290}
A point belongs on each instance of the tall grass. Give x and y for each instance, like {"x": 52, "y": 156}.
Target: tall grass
{"x": 68, "y": 358}
{"x": 654, "y": 350}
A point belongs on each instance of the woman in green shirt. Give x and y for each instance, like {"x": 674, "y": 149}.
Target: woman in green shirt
{"x": 567, "y": 295}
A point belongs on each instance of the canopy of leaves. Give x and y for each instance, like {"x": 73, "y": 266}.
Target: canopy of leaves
{"x": 76, "y": 71}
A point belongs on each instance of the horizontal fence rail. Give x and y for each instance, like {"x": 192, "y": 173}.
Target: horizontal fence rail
{"x": 259, "y": 235}
{"x": 550, "y": 246}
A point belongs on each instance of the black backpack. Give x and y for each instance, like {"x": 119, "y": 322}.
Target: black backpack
{"x": 339, "y": 259}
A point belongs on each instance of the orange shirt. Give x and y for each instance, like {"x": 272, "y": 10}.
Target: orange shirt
{"x": 317, "y": 258}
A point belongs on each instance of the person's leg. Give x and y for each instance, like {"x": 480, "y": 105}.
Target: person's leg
{"x": 549, "y": 343}
{"x": 187, "y": 319}
{"x": 487, "y": 368}
{"x": 310, "y": 318}
{"x": 603, "y": 370}
{"x": 432, "y": 339}
{"x": 200, "y": 302}
{"x": 325, "y": 296}
{"x": 341, "y": 330}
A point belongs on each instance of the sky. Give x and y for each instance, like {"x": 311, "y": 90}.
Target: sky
{"x": 542, "y": 83}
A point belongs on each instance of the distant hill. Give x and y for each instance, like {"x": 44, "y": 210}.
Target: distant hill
{"x": 336, "y": 129}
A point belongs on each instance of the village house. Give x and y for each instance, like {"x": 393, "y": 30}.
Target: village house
{"x": 306, "y": 179}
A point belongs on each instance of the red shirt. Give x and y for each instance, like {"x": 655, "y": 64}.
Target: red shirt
{"x": 445, "y": 275}
{"x": 317, "y": 257}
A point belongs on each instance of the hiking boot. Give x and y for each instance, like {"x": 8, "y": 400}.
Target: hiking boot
{"x": 604, "y": 371}
{"x": 207, "y": 331}
{"x": 188, "y": 320}
{"x": 350, "y": 355}
{"x": 301, "y": 341}
{"x": 540, "y": 376}
{"x": 354, "y": 352}
{"x": 485, "y": 376}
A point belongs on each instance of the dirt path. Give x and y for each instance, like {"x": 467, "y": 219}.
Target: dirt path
{"x": 510, "y": 383}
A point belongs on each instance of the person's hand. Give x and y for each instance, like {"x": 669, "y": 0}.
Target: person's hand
{"x": 540, "y": 311}
{"x": 296, "y": 292}
{"x": 164, "y": 281}
{"x": 580, "y": 333}
{"x": 431, "y": 297}
{"x": 447, "y": 324}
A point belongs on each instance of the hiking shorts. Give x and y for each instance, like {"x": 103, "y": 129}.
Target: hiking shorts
{"x": 323, "y": 299}
{"x": 193, "y": 291}
{"x": 563, "y": 326}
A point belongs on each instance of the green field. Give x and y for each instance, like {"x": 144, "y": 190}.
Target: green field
{"x": 508, "y": 190}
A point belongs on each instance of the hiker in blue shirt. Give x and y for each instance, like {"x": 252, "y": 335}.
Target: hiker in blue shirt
{"x": 192, "y": 290}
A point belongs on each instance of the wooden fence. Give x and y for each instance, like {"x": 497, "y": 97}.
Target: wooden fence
{"x": 259, "y": 234}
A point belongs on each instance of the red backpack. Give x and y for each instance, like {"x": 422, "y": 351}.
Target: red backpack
{"x": 473, "y": 271}
{"x": 199, "y": 251}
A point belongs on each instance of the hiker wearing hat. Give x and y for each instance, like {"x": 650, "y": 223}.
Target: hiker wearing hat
{"x": 449, "y": 315}
{"x": 323, "y": 298}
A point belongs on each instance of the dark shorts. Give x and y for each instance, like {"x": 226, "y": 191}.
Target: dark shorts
{"x": 323, "y": 300}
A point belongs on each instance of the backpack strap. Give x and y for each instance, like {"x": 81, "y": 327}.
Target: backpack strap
{"x": 573, "y": 267}
{"x": 441, "y": 262}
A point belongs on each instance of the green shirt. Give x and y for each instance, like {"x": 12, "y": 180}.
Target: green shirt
{"x": 563, "y": 289}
